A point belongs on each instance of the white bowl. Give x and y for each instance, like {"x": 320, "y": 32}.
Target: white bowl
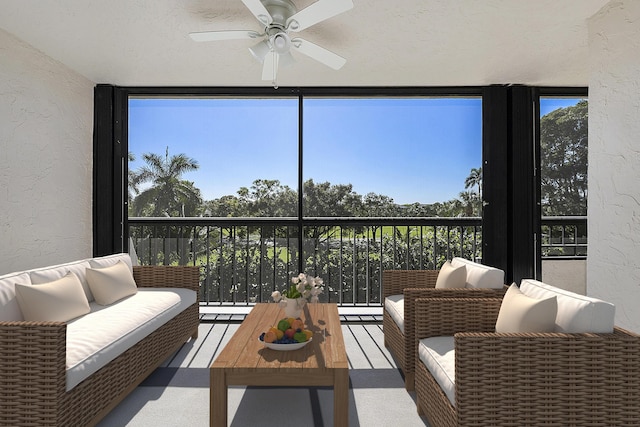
{"x": 285, "y": 347}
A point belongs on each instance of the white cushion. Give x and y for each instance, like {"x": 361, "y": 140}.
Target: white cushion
{"x": 9, "y": 308}
{"x": 394, "y": 304}
{"x": 451, "y": 277}
{"x": 520, "y": 313}
{"x": 59, "y": 301}
{"x": 479, "y": 275}
{"x": 576, "y": 313}
{"x": 439, "y": 357}
{"x": 97, "y": 338}
{"x": 109, "y": 260}
{"x": 55, "y": 272}
{"x": 110, "y": 284}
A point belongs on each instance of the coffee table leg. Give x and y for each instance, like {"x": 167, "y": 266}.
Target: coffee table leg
{"x": 341, "y": 398}
{"x": 218, "y": 398}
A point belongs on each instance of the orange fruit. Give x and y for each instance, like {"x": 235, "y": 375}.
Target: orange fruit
{"x": 270, "y": 336}
{"x": 297, "y": 324}
{"x": 278, "y": 332}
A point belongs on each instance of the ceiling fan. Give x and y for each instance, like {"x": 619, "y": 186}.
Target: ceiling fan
{"x": 280, "y": 18}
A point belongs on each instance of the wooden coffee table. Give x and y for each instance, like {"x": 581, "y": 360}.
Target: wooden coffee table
{"x": 245, "y": 360}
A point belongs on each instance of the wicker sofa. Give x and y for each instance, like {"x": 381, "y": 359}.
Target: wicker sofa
{"x": 401, "y": 288}
{"x": 39, "y": 387}
{"x": 563, "y": 378}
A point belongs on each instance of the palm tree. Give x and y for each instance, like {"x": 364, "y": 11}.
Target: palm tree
{"x": 168, "y": 195}
{"x": 133, "y": 188}
{"x": 474, "y": 178}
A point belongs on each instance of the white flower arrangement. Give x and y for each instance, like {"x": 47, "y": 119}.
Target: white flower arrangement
{"x": 302, "y": 286}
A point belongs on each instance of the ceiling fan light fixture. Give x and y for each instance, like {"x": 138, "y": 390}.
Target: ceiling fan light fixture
{"x": 260, "y": 50}
{"x": 281, "y": 43}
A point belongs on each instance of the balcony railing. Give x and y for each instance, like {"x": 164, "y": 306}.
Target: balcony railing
{"x": 244, "y": 260}
{"x": 564, "y": 237}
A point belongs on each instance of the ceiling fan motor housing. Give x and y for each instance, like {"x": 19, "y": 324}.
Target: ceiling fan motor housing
{"x": 280, "y": 11}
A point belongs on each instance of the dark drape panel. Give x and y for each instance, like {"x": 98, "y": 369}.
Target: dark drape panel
{"x": 109, "y": 167}
{"x": 511, "y": 206}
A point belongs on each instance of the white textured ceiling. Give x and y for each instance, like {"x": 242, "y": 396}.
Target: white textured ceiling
{"x": 385, "y": 42}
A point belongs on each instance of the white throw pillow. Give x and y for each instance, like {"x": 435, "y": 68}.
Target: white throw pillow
{"x": 480, "y": 275}
{"x": 520, "y": 313}
{"x": 55, "y": 272}
{"x": 57, "y": 301}
{"x": 112, "y": 283}
{"x": 451, "y": 277}
{"x": 576, "y": 313}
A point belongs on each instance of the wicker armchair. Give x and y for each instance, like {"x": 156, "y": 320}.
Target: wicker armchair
{"x": 415, "y": 284}
{"x": 512, "y": 379}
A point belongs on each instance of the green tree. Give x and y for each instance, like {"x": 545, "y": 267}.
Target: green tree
{"x": 474, "y": 200}
{"x": 469, "y": 200}
{"x": 168, "y": 194}
{"x": 324, "y": 199}
{"x": 132, "y": 188}
{"x": 225, "y": 206}
{"x": 563, "y": 152}
{"x": 378, "y": 205}
{"x": 268, "y": 198}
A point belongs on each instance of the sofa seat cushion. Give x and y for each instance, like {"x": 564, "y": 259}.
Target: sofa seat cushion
{"x": 394, "y": 305}
{"x": 479, "y": 275}
{"x": 97, "y": 338}
{"x": 9, "y": 308}
{"x": 438, "y": 356}
{"x": 576, "y": 313}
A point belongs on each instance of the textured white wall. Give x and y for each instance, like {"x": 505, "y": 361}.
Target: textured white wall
{"x": 46, "y": 126}
{"x": 613, "y": 267}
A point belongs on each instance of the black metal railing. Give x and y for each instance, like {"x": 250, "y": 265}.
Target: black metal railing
{"x": 564, "y": 237}
{"x": 244, "y": 260}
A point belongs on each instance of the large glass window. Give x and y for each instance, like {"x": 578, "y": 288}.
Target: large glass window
{"x": 563, "y": 149}
{"x": 392, "y": 156}
{"x": 238, "y": 157}
{"x": 563, "y": 188}
{"x": 215, "y": 182}
{"x": 213, "y": 157}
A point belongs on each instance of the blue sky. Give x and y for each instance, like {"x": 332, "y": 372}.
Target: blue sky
{"x": 410, "y": 149}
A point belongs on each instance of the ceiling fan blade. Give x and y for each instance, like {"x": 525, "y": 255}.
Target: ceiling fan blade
{"x": 259, "y": 11}
{"x": 207, "y": 36}
{"x": 318, "y": 11}
{"x": 318, "y": 53}
{"x": 270, "y": 67}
